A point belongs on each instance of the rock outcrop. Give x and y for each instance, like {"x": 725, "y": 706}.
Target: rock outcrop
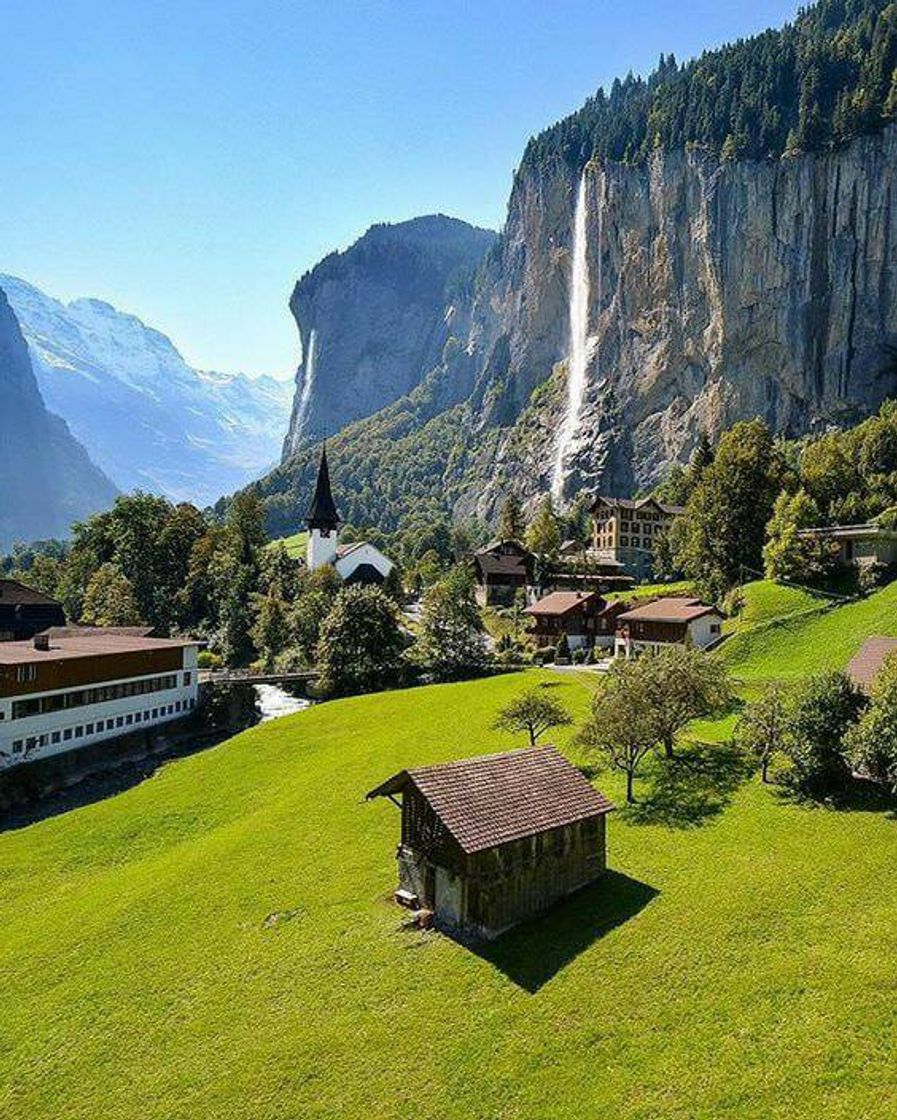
{"x": 48, "y": 481}
{"x": 718, "y": 291}
{"x": 375, "y": 319}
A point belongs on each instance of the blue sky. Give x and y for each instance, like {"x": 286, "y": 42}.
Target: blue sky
{"x": 189, "y": 161}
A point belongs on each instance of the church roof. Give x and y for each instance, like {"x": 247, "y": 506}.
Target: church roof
{"x": 322, "y": 513}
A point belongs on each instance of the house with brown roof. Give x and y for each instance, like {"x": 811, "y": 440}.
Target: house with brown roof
{"x": 869, "y": 662}
{"x": 675, "y": 620}
{"x": 502, "y": 569}
{"x": 491, "y": 840}
{"x": 626, "y": 531}
{"x": 585, "y": 617}
{"x": 24, "y": 611}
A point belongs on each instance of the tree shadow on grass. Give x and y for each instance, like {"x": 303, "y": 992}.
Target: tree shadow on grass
{"x": 858, "y": 795}
{"x": 693, "y": 787}
{"x": 533, "y": 953}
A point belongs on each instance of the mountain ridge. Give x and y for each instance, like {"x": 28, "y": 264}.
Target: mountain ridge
{"x": 148, "y": 418}
{"x": 49, "y": 480}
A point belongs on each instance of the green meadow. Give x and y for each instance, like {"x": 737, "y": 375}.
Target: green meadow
{"x": 220, "y": 940}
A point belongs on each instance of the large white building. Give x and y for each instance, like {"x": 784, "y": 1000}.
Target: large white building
{"x": 73, "y": 688}
{"x": 355, "y": 562}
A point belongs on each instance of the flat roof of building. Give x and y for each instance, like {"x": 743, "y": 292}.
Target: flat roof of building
{"x": 86, "y": 645}
{"x": 849, "y": 532}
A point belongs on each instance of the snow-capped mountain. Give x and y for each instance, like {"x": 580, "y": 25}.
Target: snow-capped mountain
{"x": 145, "y": 416}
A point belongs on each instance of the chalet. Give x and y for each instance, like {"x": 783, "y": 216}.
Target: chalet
{"x": 663, "y": 622}
{"x": 856, "y": 545}
{"x": 489, "y": 841}
{"x": 626, "y": 531}
{"x": 80, "y": 687}
{"x": 502, "y": 569}
{"x": 868, "y": 663}
{"x": 355, "y": 562}
{"x": 585, "y": 617}
{"x": 24, "y": 612}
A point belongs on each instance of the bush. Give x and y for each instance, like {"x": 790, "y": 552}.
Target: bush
{"x": 579, "y": 657}
{"x": 824, "y": 709}
{"x": 871, "y": 577}
{"x": 208, "y": 660}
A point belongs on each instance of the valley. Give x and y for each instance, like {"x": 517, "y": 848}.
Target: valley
{"x": 716, "y": 971}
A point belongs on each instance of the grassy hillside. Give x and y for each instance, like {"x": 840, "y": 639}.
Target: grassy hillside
{"x": 812, "y": 641}
{"x": 765, "y": 600}
{"x": 295, "y": 544}
{"x": 220, "y": 942}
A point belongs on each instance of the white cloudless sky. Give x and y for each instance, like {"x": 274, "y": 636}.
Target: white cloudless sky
{"x": 189, "y": 161}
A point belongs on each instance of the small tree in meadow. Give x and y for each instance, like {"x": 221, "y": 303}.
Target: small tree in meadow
{"x": 621, "y": 729}
{"x": 763, "y": 728}
{"x": 535, "y": 712}
{"x": 681, "y": 685}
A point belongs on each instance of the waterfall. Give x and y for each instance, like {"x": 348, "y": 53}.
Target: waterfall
{"x": 580, "y": 343}
{"x": 308, "y": 378}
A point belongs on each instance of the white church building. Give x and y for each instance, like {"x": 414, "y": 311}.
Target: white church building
{"x": 355, "y": 562}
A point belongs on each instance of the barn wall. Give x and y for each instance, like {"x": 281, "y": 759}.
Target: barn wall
{"x": 510, "y": 883}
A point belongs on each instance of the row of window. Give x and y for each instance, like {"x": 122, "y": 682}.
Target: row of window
{"x": 62, "y": 701}
{"x": 100, "y": 727}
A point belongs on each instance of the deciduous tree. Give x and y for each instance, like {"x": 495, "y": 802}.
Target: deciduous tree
{"x": 535, "y": 712}
{"x": 763, "y": 727}
{"x": 451, "y": 643}
{"x": 361, "y": 643}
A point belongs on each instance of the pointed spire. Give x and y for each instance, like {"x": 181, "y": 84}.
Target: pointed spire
{"x": 322, "y": 513}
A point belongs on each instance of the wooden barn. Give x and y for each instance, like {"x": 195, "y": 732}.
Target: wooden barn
{"x": 489, "y": 841}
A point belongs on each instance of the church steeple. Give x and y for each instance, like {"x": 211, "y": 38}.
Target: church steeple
{"x": 322, "y": 513}
{"x": 323, "y": 520}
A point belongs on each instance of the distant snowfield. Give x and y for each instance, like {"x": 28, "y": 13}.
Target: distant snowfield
{"x": 145, "y": 416}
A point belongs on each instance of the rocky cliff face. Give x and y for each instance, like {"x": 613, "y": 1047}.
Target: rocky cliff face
{"x": 717, "y": 291}
{"x": 374, "y": 319}
{"x": 47, "y": 479}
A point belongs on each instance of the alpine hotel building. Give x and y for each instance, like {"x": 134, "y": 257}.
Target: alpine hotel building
{"x": 71, "y": 688}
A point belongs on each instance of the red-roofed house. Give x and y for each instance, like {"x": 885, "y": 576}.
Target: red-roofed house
{"x": 489, "y": 841}
{"x": 584, "y": 616}
{"x": 664, "y": 622}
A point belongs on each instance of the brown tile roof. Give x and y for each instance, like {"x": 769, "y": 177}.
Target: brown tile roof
{"x": 92, "y": 631}
{"x": 492, "y": 564}
{"x": 496, "y": 798}
{"x": 95, "y": 645}
{"x": 867, "y": 664}
{"x": 17, "y": 594}
{"x": 672, "y": 609}
{"x": 563, "y": 602}
{"x": 638, "y": 503}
